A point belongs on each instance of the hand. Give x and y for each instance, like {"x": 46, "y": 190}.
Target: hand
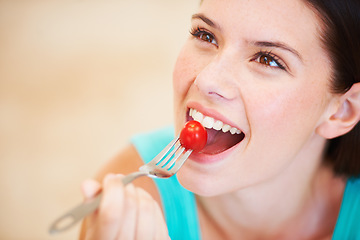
{"x": 125, "y": 212}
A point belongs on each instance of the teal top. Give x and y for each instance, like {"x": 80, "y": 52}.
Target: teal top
{"x": 348, "y": 222}
{"x": 180, "y": 206}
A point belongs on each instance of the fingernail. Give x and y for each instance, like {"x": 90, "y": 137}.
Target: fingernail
{"x": 90, "y": 188}
{"x": 108, "y": 177}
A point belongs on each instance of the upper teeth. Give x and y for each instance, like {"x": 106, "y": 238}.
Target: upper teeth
{"x": 209, "y": 122}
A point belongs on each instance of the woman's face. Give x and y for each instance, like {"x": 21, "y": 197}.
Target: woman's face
{"x": 259, "y": 67}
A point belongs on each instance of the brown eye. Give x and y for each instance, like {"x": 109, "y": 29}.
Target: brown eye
{"x": 207, "y": 37}
{"x": 265, "y": 60}
{"x": 268, "y": 59}
{"x": 204, "y": 35}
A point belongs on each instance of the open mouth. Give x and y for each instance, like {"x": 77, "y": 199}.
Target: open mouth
{"x": 221, "y": 136}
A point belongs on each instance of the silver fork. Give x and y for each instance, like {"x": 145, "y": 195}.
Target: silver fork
{"x": 164, "y": 165}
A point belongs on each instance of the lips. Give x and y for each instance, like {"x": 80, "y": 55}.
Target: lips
{"x": 221, "y": 136}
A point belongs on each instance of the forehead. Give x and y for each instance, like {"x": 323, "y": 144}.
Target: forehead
{"x": 291, "y": 20}
{"x": 289, "y": 9}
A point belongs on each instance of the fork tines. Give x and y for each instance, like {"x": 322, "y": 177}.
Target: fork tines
{"x": 167, "y": 159}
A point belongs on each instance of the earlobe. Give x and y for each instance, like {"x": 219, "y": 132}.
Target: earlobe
{"x": 345, "y": 116}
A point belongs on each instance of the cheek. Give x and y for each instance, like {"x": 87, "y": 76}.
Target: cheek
{"x": 189, "y": 64}
{"x": 287, "y": 113}
{"x": 182, "y": 75}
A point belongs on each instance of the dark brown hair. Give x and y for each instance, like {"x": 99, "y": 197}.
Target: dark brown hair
{"x": 341, "y": 39}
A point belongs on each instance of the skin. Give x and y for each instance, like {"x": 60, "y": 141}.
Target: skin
{"x": 273, "y": 184}
{"x": 275, "y": 108}
{"x": 138, "y": 203}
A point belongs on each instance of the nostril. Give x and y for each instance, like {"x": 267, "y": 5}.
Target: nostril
{"x": 216, "y": 94}
{"x": 215, "y": 87}
{"x": 208, "y": 90}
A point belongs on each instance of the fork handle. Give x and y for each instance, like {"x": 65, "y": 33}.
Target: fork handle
{"x": 73, "y": 216}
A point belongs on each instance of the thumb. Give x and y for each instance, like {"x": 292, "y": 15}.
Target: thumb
{"x": 90, "y": 188}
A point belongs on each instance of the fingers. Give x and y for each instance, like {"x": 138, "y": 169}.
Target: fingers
{"x": 90, "y": 188}
{"x": 146, "y": 216}
{"x": 161, "y": 227}
{"x": 125, "y": 212}
{"x": 143, "y": 218}
{"x": 151, "y": 222}
{"x": 111, "y": 208}
{"x": 127, "y": 229}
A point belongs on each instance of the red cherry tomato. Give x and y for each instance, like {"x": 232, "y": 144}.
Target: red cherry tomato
{"x": 193, "y": 136}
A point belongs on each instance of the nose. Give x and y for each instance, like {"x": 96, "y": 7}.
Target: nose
{"x": 217, "y": 79}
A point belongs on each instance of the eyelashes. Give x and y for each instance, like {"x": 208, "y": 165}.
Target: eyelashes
{"x": 203, "y": 35}
{"x": 265, "y": 58}
{"x": 268, "y": 59}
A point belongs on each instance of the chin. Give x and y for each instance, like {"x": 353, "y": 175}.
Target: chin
{"x": 199, "y": 184}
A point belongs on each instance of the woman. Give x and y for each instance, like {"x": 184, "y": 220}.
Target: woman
{"x": 284, "y": 73}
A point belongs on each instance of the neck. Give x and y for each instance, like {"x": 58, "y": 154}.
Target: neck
{"x": 290, "y": 202}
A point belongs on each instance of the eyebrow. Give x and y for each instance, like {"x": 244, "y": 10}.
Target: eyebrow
{"x": 205, "y": 19}
{"x": 278, "y": 45}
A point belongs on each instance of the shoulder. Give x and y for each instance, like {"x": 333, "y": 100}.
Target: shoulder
{"x": 126, "y": 161}
{"x": 149, "y": 144}
{"x": 142, "y": 149}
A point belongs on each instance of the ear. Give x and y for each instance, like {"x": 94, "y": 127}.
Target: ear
{"x": 345, "y": 116}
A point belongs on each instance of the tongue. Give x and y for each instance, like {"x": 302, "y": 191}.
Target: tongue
{"x": 219, "y": 141}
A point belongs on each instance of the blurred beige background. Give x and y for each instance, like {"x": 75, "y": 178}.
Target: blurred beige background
{"x": 77, "y": 79}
